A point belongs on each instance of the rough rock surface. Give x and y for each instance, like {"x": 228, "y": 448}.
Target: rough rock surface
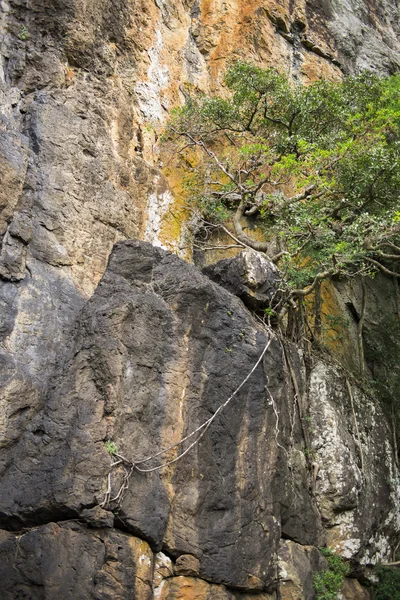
{"x": 296, "y": 567}
{"x": 151, "y": 355}
{"x": 68, "y": 561}
{"x": 250, "y": 276}
{"x": 187, "y": 565}
{"x": 156, "y": 349}
{"x": 350, "y": 481}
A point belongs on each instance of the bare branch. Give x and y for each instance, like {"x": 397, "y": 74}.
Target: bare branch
{"x": 302, "y": 196}
{"x": 388, "y": 256}
{"x": 307, "y": 290}
{"x": 210, "y": 153}
{"x": 218, "y": 247}
{"x": 390, "y": 245}
{"x": 242, "y": 237}
{"x": 382, "y": 268}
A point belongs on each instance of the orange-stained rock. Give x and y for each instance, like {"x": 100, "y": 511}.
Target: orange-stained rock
{"x": 143, "y": 561}
{"x": 190, "y": 588}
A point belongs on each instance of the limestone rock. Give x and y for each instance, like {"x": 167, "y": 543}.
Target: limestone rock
{"x": 297, "y": 564}
{"x": 250, "y": 276}
{"x": 156, "y": 350}
{"x": 353, "y": 590}
{"x": 188, "y": 588}
{"x": 347, "y": 434}
{"x": 187, "y": 565}
{"x": 163, "y": 568}
{"x": 68, "y": 561}
{"x": 114, "y": 382}
{"x": 13, "y": 165}
{"x": 84, "y": 90}
{"x": 97, "y": 517}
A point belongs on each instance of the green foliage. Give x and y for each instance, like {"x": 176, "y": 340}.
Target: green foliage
{"x": 388, "y": 586}
{"x": 328, "y": 583}
{"x": 111, "y": 447}
{"x": 319, "y": 163}
{"x": 23, "y": 34}
{"x": 337, "y": 321}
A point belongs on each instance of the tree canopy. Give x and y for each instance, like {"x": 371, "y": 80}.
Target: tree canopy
{"x": 317, "y": 166}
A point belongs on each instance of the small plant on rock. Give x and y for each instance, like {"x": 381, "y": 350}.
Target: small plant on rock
{"x": 111, "y": 448}
{"x": 23, "y": 34}
{"x": 328, "y": 583}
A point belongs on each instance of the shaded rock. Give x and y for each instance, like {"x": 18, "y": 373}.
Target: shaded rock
{"x": 12, "y": 259}
{"x": 117, "y": 383}
{"x": 97, "y": 517}
{"x": 187, "y": 565}
{"x": 250, "y": 276}
{"x": 156, "y": 350}
{"x": 13, "y": 166}
{"x": 297, "y": 564}
{"x": 353, "y": 590}
{"x": 68, "y": 561}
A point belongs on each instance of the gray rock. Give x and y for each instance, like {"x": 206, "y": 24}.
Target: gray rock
{"x": 153, "y": 353}
{"x": 296, "y": 565}
{"x": 163, "y": 568}
{"x": 97, "y": 517}
{"x": 347, "y": 436}
{"x": 68, "y": 561}
{"x": 157, "y": 331}
{"x": 250, "y": 276}
{"x": 158, "y": 347}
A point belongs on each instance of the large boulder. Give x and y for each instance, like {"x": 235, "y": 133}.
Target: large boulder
{"x": 151, "y": 356}
{"x": 157, "y": 349}
{"x": 250, "y": 276}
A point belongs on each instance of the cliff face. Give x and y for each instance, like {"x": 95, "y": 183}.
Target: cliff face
{"x": 300, "y": 459}
{"x": 296, "y": 460}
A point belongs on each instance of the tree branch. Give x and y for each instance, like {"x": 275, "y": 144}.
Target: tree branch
{"x": 389, "y": 245}
{"x": 248, "y": 241}
{"x": 307, "y": 290}
{"x": 388, "y": 256}
{"x": 382, "y": 268}
{"x": 302, "y": 196}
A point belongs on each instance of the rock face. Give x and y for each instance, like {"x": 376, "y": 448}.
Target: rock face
{"x": 155, "y": 351}
{"x": 147, "y": 355}
{"x": 67, "y": 560}
{"x": 250, "y": 276}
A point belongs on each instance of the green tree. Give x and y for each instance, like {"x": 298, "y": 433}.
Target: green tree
{"x": 317, "y": 166}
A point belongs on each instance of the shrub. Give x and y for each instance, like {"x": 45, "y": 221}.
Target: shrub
{"x": 328, "y": 583}
{"x": 388, "y": 587}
